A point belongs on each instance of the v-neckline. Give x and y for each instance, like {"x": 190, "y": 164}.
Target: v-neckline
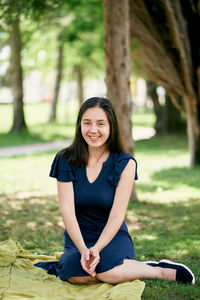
{"x": 100, "y": 172}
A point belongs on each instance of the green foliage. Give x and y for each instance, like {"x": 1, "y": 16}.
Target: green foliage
{"x": 83, "y": 35}
{"x": 35, "y": 9}
{"x": 46, "y": 24}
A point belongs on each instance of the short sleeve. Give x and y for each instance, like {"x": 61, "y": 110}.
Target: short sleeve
{"x": 119, "y": 163}
{"x": 61, "y": 169}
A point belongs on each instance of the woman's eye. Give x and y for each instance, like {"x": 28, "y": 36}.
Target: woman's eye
{"x": 101, "y": 124}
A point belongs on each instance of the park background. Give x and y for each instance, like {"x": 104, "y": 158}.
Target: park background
{"x": 144, "y": 58}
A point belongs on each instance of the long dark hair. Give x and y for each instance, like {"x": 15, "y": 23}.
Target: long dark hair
{"x": 77, "y": 152}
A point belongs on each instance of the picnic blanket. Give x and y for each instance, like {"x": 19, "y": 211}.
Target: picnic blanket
{"x": 20, "y": 279}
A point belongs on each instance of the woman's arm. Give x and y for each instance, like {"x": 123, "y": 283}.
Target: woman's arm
{"x": 66, "y": 204}
{"x": 118, "y": 211}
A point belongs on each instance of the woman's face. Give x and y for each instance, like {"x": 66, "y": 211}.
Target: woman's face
{"x": 95, "y": 127}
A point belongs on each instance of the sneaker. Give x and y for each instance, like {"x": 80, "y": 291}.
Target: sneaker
{"x": 151, "y": 263}
{"x": 183, "y": 273}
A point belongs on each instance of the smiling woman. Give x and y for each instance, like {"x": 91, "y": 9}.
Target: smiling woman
{"x": 95, "y": 178}
{"x": 95, "y": 127}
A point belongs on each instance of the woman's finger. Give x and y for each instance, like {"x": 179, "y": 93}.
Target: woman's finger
{"x": 94, "y": 263}
{"x": 85, "y": 262}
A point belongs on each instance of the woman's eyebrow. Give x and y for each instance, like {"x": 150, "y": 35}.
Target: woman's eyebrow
{"x": 100, "y": 120}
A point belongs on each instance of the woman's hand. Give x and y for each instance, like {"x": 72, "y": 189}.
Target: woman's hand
{"x": 89, "y": 260}
{"x": 94, "y": 260}
{"x": 85, "y": 260}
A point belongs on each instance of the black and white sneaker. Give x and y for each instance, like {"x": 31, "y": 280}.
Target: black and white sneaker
{"x": 183, "y": 273}
{"x": 151, "y": 263}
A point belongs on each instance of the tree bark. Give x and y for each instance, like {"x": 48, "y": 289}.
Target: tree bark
{"x": 160, "y": 124}
{"x": 193, "y": 126}
{"x": 57, "y": 83}
{"x": 168, "y": 117}
{"x": 79, "y": 79}
{"x": 174, "y": 121}
{"x": 117, "y": 49}
{"x": 117, "y": 59}
{"x": 16, "y": 77}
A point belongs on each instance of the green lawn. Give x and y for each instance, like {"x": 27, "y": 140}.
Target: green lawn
{"x": 39, "y": 129}
{"x": 164, "y": 223}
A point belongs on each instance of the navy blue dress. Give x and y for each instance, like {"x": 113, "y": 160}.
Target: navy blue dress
{"x": 93, "y": 202}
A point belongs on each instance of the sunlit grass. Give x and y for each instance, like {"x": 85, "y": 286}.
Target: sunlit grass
{"x": 143, "y": 118}
{"x": 164, "y": 223}
{"x": 39, "y": 129}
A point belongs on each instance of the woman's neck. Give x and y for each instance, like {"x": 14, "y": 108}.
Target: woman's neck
{"x": 97, "y": 156}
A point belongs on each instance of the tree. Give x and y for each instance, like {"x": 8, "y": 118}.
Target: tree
{"x": 82, "y": 37}
{"x": 168, "y": 117}
{"x": 117, "y": 58}
{"x": 11, "y": 12}
{"x": 57, "y": 81}
{"x": 16, "y": 77}
{"x": 79, "y": 79}
{"x": 165, "y": 33}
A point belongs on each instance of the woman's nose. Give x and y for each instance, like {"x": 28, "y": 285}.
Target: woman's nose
{"x": 93, "y": 128}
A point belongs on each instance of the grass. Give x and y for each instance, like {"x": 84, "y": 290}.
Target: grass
{"x": 164, "y": 223}
{"x": 39, "y": 129}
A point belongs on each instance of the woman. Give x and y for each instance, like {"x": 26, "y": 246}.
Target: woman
{"x": 94, "y": 181}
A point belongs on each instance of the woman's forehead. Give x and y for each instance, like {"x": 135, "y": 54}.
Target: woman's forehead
{"x": 95, "y": 113}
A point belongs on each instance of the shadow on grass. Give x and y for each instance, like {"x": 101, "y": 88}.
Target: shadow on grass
{"x": 159, "y": 230}
{"x": 161, "y": 143}
{"x": 163, "y": 229}
{"x": 34, "y": 221}
{"x": 145, "y": 187}
{"x": 175, "y": 176}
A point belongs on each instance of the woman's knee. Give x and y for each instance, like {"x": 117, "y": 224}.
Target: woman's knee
{"x": 111, "y": 276}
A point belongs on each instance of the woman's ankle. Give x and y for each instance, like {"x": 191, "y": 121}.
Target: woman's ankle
{"x": 168, "y": 274}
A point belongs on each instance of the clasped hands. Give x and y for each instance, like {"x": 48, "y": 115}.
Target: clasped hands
{"x": 89, "y": 260}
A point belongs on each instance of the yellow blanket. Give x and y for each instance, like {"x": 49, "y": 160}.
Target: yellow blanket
{"x": 19, "y": 279}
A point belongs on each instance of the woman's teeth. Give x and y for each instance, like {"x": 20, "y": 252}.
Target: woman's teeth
{"x": 94, "y": 137}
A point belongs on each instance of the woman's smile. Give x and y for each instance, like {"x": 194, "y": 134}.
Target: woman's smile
{"x": 94, "y": 138}
{"x": 95, "y": 127}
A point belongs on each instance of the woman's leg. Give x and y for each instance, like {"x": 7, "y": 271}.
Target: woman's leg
{"x": 83, "y": 279}
{"x": 132, "y": 269}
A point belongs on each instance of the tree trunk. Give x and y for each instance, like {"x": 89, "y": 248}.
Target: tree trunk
{"x": 117, "y": 58}
{"x": 16, "y": 77}
{"x": 57, "y": 83}
{"x": 79, "y": 78}
{"x": 193, "y": 128}
{"x": 117, "y": 49}
{"x": 168, "y": 117}
{"x": 174, "y": 122}
{"x": 160, "y": 124}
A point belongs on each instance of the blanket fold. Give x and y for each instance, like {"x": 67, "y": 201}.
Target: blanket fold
{"x": 20, "y": 280}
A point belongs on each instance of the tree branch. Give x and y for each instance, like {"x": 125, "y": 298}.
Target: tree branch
{"x": 180, "y": 37}
{"x": 152, "y": 53}
{"x": 175, "y": 102}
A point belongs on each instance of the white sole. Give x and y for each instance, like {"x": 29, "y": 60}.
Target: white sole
{"x": 177, "y": 264}
{"x": 150, "y": 262}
